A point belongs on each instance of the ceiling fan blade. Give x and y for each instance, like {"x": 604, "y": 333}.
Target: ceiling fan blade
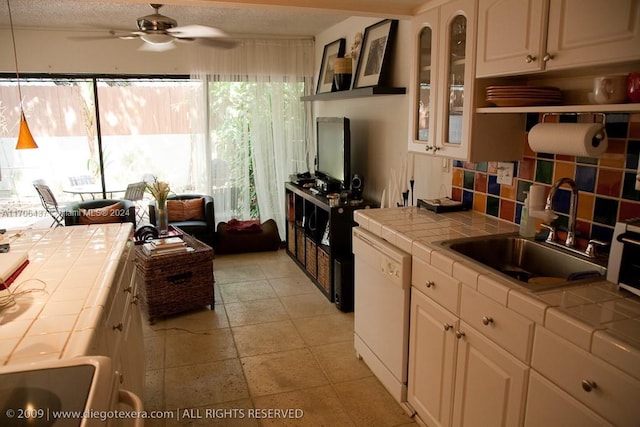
{"x": 218, "y": 43}
{"x": 148, "y": 47}
{"x": 196, "y": 31}
{"x": 89, "y": 38}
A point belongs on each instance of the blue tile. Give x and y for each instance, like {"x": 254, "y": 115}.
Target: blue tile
{"x": 633, "y": 154}
{"x": 605, "y": 211}
{"x": 532, "y": 120}
{"x": 562, "y": 201}
{"x": 600, "y": 232}
{"x": 518, "y": 212}
{"x": 492, "y": 185}
{"x": 467, "y": 198}
{"x": 545, "y": 156}
{"x": 458, "y": 164}
{"x": 617, "y": 125}
{"x": 586, "y": 178}
{"x": 629, "y": 191}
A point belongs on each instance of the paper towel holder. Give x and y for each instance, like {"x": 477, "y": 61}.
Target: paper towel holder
{"x": 600, "y": 135}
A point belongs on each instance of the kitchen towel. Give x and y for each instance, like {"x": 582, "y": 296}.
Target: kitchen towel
{"x": 574, "y": 139}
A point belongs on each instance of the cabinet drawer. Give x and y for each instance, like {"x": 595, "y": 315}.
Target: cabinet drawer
{"x": 440, "y": 287}
{"x": 508, "y": 329}
{"x": 548, "y": 405}
{"x": 608, "y": 391}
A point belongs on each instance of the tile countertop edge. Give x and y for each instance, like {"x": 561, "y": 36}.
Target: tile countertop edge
{"x": 17, "y": 350}
{"x": 416, "y": 231}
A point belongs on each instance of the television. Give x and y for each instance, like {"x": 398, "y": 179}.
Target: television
{"x": 333, "y": 158}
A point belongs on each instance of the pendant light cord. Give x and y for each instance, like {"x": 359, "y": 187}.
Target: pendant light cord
{"x": 15, "y": 54}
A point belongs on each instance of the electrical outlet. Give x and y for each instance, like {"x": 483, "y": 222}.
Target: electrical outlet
{"x": 505, "y": 173}
{"x": 446, "y": 165}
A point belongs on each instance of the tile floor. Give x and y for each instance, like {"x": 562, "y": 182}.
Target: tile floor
{"x": 273, "y": 342}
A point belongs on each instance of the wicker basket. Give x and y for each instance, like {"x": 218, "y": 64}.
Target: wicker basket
{"x": 311, "y": 260}
{"x": 175, "y": 283}
{"x": 324, "y": 270}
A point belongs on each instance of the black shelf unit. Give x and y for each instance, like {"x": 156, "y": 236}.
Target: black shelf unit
{"x": 319, "y": 241}
{"x": 356, "y": 93}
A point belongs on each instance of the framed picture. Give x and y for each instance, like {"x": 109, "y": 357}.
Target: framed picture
{"x": 373, "y": 62}
{"x": 331, "y": 51}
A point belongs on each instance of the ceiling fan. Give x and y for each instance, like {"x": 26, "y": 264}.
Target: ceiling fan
{"x": 159, "y": 32}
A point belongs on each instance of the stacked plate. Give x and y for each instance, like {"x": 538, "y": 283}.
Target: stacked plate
{"x": 522, "y": 96}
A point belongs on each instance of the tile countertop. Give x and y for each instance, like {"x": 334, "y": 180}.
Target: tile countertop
{"x": 596, "y": 316}
{"x": 61, "y": 293}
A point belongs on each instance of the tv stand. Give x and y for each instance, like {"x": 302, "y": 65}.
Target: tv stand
{"x": 319, "y": 241}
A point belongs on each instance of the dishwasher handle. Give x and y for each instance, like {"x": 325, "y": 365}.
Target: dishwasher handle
{"x": 131, "y": 399}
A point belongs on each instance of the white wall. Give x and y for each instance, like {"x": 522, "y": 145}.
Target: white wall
{"x": 379, "y": 125}
{"x": 49, "y": 51}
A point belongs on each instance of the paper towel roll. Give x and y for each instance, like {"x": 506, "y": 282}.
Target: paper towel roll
{"x": 574, "y": 139}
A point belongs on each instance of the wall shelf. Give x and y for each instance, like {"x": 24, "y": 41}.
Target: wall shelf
{"x": 356, "y": 93}
{"x": 598, "y": 108}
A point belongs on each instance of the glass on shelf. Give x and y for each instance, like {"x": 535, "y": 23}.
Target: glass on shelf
{"x": 456, "y": 70}
{"x": 424, "y": 86}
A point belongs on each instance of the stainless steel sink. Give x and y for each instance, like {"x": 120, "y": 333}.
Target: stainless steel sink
{"x": 534, "y": 265}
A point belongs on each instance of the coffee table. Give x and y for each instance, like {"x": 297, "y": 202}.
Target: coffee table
{"x": 176, "y": 282}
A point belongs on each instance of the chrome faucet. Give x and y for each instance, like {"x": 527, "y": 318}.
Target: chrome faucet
{"x": 570, "y": 241}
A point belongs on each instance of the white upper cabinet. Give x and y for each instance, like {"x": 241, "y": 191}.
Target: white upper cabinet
{"x": 443, "y": 102}
{"x": 526, "y": 36}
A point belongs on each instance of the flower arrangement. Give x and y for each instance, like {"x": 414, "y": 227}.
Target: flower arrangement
{"x": 159, "y": 190}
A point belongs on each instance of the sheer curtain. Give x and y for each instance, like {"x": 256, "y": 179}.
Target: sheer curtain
{"x": 257, "y": 129}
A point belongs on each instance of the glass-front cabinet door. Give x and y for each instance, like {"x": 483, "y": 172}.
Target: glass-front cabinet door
{"x": 455, "y": 102}
{"x": 424, "y": 82}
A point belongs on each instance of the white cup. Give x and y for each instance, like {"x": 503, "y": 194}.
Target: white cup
{"x": 610, "y": 89}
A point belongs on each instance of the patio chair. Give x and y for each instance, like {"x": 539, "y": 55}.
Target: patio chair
{"x": 50, "y": 203}
{"x": 135, "y": 193}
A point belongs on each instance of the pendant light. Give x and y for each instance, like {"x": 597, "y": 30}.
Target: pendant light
{"x": 25, "y": 139}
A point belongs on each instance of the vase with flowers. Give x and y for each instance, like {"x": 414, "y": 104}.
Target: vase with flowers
{"x": 160, "y": 191}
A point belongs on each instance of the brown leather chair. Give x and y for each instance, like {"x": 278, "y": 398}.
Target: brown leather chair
{"x": 202, "y": 228}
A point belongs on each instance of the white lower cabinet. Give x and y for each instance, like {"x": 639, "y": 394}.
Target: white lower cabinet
{"x": 457, "y": 376}
{"x": 609, "y": 392}
{"x": 491, "y": 384}
{"x": 550, "y": 406}
{"x": 432, "y": 356}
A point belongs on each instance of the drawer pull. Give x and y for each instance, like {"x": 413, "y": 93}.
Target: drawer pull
{"x": 529, "y": 59}
{"x": 128, "y": 289}
{"x": 460, "y": 334}
{"x": 118, "y": 327}
{"x": 487, "y": 320}
{"x": 548, "y": 57}
{"x": 588, "y": 385}
{"x": 431, "y": 284}
{"x": 447, "y": 326}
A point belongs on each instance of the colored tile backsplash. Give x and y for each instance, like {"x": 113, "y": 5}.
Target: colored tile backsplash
{"x": 606, "y": 185}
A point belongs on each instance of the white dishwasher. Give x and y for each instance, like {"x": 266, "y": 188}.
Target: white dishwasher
{"x": 382, "y": 286}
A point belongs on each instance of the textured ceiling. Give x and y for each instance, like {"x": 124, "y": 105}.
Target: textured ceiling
{"x": 244, "y": 17}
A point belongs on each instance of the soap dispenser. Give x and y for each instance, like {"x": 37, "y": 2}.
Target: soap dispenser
{"x": 527, "y": 223}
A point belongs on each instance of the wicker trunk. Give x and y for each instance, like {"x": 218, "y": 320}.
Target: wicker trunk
{"x": 175, "y": 283}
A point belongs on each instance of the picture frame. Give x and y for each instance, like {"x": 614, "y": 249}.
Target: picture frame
{"x": 331, "y": 51}
{"x": 374, "y": 59}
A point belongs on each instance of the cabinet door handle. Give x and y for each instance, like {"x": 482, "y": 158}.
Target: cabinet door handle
{"x": 548, "y": 57}
{"x": 529, "y": 59}
{"x": 428, "y": 147}
{"x": 447, "y": 326}
{"x": 487, "y": 320}
{"x": 435, "y": 148}
{"x": 128, "y": 289}
{"x": 118, "y": 327}
{"x": 460, "y": 334}
{"x": 430, "y": 284}
{"x": 588, "y": 385}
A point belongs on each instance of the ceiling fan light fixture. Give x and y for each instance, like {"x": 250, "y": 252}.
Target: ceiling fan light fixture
{"x": 157, "y": 38}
